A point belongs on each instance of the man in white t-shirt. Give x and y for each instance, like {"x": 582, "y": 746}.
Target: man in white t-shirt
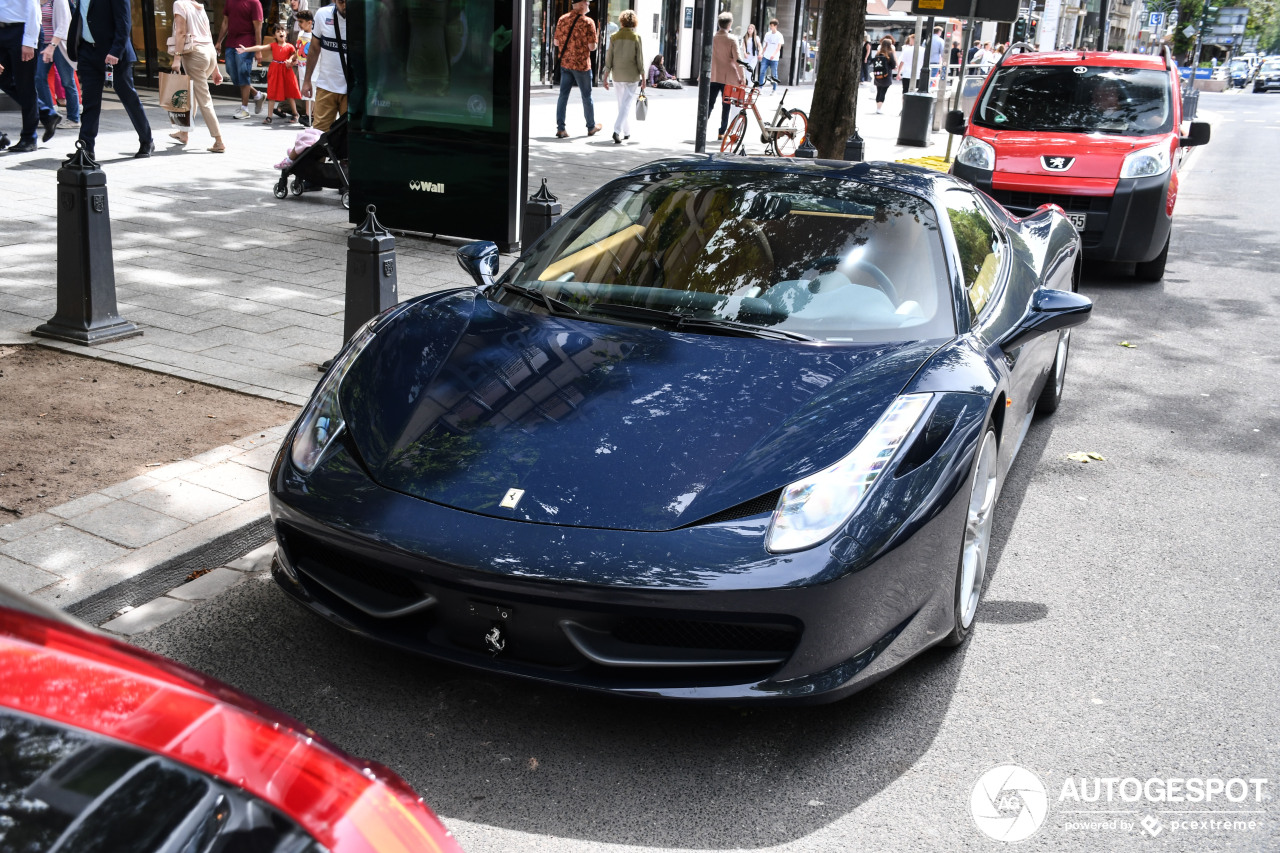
{"x": 328, "y": 54}
{"x": 770, "y": 52}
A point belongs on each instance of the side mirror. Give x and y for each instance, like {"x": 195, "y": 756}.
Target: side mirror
{"x": 1199, "y": 135}
{"x": 1050, "y": 311}
{"x": 481, "y": 260}
{"x": 956, "y": 123}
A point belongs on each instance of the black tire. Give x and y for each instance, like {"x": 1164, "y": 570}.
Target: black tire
{"x": 281, "y": 189}
{"x": 296, "y": 187}
{"x": 346, "y": 199}
{"x": 1051, "y": 396}
{"x": 1153, "y": 270}
{"x": 968, "y": 590}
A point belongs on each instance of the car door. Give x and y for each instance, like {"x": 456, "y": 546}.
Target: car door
{"x": 997, "y": 298}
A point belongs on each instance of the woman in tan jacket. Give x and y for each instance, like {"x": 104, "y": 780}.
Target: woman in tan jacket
{"x": 625, "y": 63}
{"x": 725, "y": 70}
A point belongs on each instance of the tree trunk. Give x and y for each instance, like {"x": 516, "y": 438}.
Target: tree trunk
{"x": 833, "y": 117}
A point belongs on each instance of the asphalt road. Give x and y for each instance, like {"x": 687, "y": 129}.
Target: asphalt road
{"x": 1129, "y": 627}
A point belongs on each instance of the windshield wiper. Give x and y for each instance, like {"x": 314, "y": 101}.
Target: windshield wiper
{"x": 680, "y": 320}
{"x": 552, "y": 304}
{"x": 744, "y": 329}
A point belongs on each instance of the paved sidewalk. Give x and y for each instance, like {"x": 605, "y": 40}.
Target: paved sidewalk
{"x": 237, "y": 289}
{"x": 128, "y": 540}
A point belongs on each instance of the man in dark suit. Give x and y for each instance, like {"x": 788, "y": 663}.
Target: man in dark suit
{"x": 98, "y": 39}
{"x": 19, "y": 29}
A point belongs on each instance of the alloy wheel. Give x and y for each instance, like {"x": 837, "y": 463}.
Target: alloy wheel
{"x": 977, "y": 530}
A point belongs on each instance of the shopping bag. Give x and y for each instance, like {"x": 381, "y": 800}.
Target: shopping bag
{"x": 175, "y": 98}
{"x": 642, "y": 108}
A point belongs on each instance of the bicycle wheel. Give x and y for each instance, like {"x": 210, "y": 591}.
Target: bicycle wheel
{"x": 733, "y": 137}
{"x": 791, "y": 133}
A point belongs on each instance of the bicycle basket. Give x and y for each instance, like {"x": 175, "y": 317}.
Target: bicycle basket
{"x": 740, "y": 96}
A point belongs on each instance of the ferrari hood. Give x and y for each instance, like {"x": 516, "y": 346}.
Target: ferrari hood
{"x": 1065, "y": 155}
{"x": 459, "y": 400}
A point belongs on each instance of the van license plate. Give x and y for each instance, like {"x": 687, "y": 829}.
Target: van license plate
{"x": 1077, "y": 219}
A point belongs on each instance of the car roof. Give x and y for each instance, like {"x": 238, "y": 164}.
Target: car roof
{"x": 915, "y": 180}
{"x": 1110, "y": 59}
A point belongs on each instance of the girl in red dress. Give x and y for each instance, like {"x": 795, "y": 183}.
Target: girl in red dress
{"x": 282, "y": 83}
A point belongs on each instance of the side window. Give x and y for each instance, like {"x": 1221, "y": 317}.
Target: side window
{"x": 980, "y": 246}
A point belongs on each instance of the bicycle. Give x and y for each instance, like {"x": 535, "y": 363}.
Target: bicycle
{"x": 782, "y": 137}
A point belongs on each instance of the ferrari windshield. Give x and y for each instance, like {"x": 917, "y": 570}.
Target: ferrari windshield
{"x": 1077, "y": 99}
{"x": 738, "y": 252}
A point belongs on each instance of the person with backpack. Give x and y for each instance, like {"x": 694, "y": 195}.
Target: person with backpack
{"x": 328, "y": 65}
{"x": 882, "y": 67}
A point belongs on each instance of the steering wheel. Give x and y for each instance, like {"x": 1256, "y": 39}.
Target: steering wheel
{"x": 879, "y": 280}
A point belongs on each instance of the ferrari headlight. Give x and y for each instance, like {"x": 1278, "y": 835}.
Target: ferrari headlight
{"x": 1146, "y": 163}
{"x": 976, "y": 154}
{"x": 811, "y": 509}
{"x": 321, "y": 421}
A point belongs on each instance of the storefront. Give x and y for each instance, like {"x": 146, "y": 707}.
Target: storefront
{"x": 153, "y": 24}
{"x": 672, "y": 28}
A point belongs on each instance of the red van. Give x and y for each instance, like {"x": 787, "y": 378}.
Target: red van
{"x": 1098, "y": 134}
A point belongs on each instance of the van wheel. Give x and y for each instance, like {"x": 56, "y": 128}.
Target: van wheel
{"x": 1153, "y": 270}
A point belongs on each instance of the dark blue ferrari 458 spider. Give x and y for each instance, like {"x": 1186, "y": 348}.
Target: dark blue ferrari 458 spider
{"x": 731, "y": 429}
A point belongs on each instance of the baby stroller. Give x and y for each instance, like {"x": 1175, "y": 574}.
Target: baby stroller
{"x": 322, "y": 166}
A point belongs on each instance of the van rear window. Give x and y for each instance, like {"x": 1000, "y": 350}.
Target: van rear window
{"x": 1077, "y": 99}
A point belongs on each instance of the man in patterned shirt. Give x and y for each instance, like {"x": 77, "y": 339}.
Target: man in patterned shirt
{"x": 575, "y": 39}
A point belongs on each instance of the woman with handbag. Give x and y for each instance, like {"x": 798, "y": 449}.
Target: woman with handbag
{"x": 624, "y": 61}
{"x": 192, "y": 49}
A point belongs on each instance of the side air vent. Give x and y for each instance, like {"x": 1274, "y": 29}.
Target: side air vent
{"x": 928, "y": 441}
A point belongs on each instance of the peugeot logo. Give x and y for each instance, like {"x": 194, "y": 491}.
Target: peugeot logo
{"x": 1057, "y": 164}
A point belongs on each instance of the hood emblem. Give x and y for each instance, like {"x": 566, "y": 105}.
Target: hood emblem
{"x": 1057, "y": 164}
{"x": 495, "y": 640}
{"x": 511, "y": 498}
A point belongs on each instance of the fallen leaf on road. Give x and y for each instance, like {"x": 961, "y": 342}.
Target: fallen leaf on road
{"x": 1086, "y": 457}
{"x": 1122, "y": 343}
{"x": 198, "y": 573}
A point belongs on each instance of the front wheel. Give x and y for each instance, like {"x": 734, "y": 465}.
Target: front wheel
{"x": 972, "y": 570}
{"x": 733, "y": 136}
{"x": 1153, "y": 270}
{"x": 297, "y": 187}
{"x": 791, "y": 133}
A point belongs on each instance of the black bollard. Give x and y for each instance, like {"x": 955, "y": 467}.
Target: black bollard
{"x": 86, "y": 312}
{"x": 371, "y": 275}
{"x": 540, "y": 212}
{"x": 854, "y": 148}
{"x": 806, "y": 149}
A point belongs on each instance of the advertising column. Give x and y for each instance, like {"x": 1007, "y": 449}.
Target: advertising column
{"x": 439, "y": 115}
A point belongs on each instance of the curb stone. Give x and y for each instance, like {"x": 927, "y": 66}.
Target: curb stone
{"x": 130, "y": 621}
